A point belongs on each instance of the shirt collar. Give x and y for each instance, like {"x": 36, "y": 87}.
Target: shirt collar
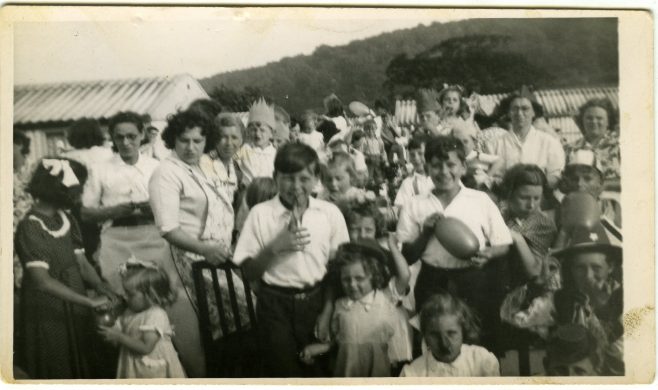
{"x": 367, "y": 301}
{"x": 119, "y": 161}
{"x": 280, "y": 209}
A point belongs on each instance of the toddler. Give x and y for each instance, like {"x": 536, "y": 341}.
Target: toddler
{"x": 308, "y": 134}
{"x": 256, "y": 157}
{"x": 339, "y": 174}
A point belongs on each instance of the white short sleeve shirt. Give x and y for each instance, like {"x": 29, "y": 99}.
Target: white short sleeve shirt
{"x": 472, "y": 207}
{"x": 294, "y": 269}
{"x": 411, "y": 186}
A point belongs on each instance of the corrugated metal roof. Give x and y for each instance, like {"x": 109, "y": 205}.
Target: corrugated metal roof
{"x": 556, "y": 102}
{"x": 63, "y": 102}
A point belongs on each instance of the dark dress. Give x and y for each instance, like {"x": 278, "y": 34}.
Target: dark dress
{"x": 56, "y": 335}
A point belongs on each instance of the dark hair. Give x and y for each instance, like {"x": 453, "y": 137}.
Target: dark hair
{"x": 417, "y": 141}
{"x": 604, "y": 103}
{"x": 358, "y": 135}
{"x": 572, "y": 169}
{"x": 381, "y": 103}
{"x": 295, "y": 157}
{"x": 50, "y": 188}
{"x": 209, "y": 107}
{"x": 523, "y": 175}
{"x": 153, "y": 283}
{"x": 347, "y": 255}
{"x": 504, "y": 106}
{"x": 354, "y": 211}
{"x": 334, "y": 107}
{"x": 444, "y": 303}
{"x": 85, "y": 133}
{"x": 370, "y": 122}
{"x": 126, "y": 117}
{"x": 440, "y": 146}
{"x": 182, "y": 121}
{"x": 328, "y": 130}
{"x": 260, "y": 190}
{"x": 23, "y": 140}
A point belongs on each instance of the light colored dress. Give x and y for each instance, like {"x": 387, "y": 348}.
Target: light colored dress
{"x": 363, "y": 330}
{"x": 473, "y": 360}
{"x": 163, "y": 361}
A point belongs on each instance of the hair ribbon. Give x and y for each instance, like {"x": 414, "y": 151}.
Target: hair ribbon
{"x": 55, "y": 167}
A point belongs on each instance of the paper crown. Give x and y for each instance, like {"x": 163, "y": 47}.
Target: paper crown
{"x": 261, "y": 112}
{"x": 582, "y": 157}
{"x": 427, "y": 101}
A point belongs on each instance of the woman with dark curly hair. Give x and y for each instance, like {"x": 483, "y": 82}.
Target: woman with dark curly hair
{"x": 191, "y": 215}
{"x": 598, "y": 120}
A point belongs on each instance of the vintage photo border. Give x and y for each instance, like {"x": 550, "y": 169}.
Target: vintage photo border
{"x": 636, "y": 86}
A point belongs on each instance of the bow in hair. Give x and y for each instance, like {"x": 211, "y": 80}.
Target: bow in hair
{"x": 55, "y": 167}
{"x": 134, "y": 262}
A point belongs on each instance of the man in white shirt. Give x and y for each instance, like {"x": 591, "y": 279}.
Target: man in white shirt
{"x": 525, "y": 144}
{"x": 286, "y": 245}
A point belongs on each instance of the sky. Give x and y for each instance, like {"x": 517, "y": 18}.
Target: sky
{"x": 201, "y": 42}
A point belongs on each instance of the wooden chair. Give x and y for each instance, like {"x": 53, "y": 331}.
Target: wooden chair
{"x": 235, "y": 353}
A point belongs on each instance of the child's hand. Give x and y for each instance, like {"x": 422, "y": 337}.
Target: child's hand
{"x": 323, "y": 326}
{"x": 109, "y": 333}
{"x": 294, "y": 239}
{"x": 308, "y": 354}
{"x": 482, "y": 257}
{"x": 105, "y": 289}
{"x": 430, "y": 221}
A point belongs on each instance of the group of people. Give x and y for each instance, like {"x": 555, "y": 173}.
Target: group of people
{"x": 373, "y": 249}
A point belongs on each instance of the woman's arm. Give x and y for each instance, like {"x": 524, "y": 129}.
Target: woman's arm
{"x": 142, "y": 346}
{"x": 54, "y": 287}
{"x": 101, "y": 214}
{"x": 531, "y": 264}
{"x": 213, "y": 252}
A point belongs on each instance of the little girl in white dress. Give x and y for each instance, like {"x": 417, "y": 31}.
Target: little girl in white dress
{"x": 143, "y": 331}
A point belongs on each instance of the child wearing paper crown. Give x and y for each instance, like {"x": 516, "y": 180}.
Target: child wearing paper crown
{"x": 256, "y": 157}
{"x": 56, "y": 321}
{"x": 143, "y": 331}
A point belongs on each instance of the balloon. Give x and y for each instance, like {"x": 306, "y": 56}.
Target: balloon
{"x": 359, "y": 109}
{"x": 580, "y": 209}
{"x": 105, "y": 318}
{"x": 458, "y": 239}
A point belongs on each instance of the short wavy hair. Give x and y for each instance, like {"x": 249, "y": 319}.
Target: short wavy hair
{"x": 182, "y": 121}
{"x": 154, "y": 283}
{"x": 523, "y": 175}
{"x": 354, "y": 211}
{"x": 447, "y": 304}
{"x": 604, "y": 103}
{"x": 440, "y": 146}
{"x": 346, "y": 255}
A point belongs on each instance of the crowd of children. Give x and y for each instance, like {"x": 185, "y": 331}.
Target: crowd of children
{"x": 376, "y": 250}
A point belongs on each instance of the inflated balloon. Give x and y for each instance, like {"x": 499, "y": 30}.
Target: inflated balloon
{"x": 457, "y": 238}
{"x": 359, "y": 109}
{"x": 580, "y": 209}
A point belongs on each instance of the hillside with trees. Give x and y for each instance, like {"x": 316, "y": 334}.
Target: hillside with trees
{"x": 488, "y": 55}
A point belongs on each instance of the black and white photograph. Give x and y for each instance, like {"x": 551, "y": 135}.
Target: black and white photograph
{"x": 309, "y": 194}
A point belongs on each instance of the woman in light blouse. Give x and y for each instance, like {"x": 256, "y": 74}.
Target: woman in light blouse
{"x": 196, "y": 219}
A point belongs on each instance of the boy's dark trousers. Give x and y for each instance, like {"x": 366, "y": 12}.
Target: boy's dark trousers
{"x": 286, "y": 321}
{"x": 475, "y": 286}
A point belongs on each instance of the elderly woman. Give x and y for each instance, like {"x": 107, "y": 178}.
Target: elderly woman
{"x": 195, "y": 216}
{"x": 597, "y": 120}
{"x": 592, "y": 293}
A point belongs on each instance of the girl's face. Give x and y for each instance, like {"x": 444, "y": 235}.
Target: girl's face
{"x": 136, "y": 300}
{"x": 595, "y": 123}
{"x": 525, "y": 200}
{"x": 590, "y": 271}
{"x": 190, "y": 145}
{"x": 444, "y": 337}
{"x": 417, "y": 159}
{"x": 230, "y": 140}
{"x": 356, "y": 282}
{"x": 451, "y": 101}
{"x": 261, "y": 134}
{"x": 363, "y": 227}
{"x": 338, "y": 179}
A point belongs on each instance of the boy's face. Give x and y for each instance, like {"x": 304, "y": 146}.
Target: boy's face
{"x": 308, "y": 125}
{"x": 444, "y": 337}
{"x": 590, "y": 272}
{"x": 584, "y": 367}
{"x": 296, "y": 186}
{"x": 417, "y": 158}
{"x": 429, "y": 120}
{"x": 446, "y": 174}
{"x": 338, "y": 179}
{"x": 261, "y": 134}
{"x": 583, "y": 179}
{"x": 363, "y": 227}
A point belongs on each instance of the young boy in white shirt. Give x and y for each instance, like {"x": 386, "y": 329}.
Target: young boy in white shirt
{"x": 256, "y": 157}
{"x": 418, "y": 183}
{"x": 468, "y": 279}
{"x": 286, "y": 245}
